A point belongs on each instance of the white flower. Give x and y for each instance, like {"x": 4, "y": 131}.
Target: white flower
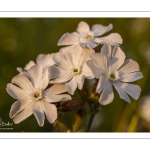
{"x": 71, "y": 68}
{"x": 109, "y": 67}
{"x": 43, "y": 59}
{"x": 90, "y": 38}
{"x": 33, "y": 97}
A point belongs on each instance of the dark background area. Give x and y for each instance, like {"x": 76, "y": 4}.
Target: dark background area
{"x": 22, "y": 39}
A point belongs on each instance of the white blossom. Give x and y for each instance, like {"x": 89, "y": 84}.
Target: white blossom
{"x": 43, "y": 59}
{"x": 109, "y": 67}
{"x": 33, "y": 97}
{"x": 71, "y": 68}
{"x": 90, "y": 38}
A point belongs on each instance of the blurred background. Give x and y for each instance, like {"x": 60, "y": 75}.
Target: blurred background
{"x": 22, "y": 39}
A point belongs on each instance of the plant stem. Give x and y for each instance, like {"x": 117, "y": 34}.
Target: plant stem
{"x": 90, "y": 122}
{"x": 94, "y": 109}
{"x": 80, "y": 93}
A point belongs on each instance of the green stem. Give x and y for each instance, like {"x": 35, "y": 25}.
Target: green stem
{"x": 90, "y": 122}
{"x": 94, "y": 109}
{"x": 86, "y": 86}
{"x": 80, "y": 93}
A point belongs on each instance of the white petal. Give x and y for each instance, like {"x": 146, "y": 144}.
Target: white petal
{"x": 121, "y": 92}
{"x": 18, "y": 106}
{"x": 68, "y": 39}
{"x": 53, "y": 72}
{"x": 16, "y": 92}
{"x": 99, "y": 29}
{"x": 25, "y": 73}
{"x": 129, "y": 66}
{"x": 76, "y": 54}
{"x": 91, "y": 44}
{"x": 80, "y": 81}
{"x": 118, "y": 58}
{"x": 130, "y": 77}
{"x": 101, "y": 84}
{"x": 66, "y": 97}
{"x": 83, "y": 40}
{"x": 99, "y": 60}
{"x": 38, "y": 113}
{"x": 60, "y": 60}
{"x": 106, "y": 50}
{"x": 29, "y": 65}
{"x": 45, "y": 79}
{"x": 15, "y": 107}
{"x": 131, "y": 89}
{"x": 85, "y": 55}
{"x": 24, "y": 114}
{"x": 67, "y": 57}
{"x": 57, "y": 89}
{"x": 67, "y": 49}
{"x": 62, "y": 79}
{"x": 35, "y": 74}
{"x": 50, "y": 111}
{"x": 83, "y": 27}
{"x": 107, "y": 95}
{"x": 115, "y": 57}
{"x": 95, "y": 70}
{"x": 50, "y": 94}
{"x": 113, "y": 39}
{"x": 19, "y": 69}
{"x": 52, "y": 98}
{"x": 71, "y": 85}
{"x": 87, "y": 72}
{"x": 23, "y": 82}
{"x": 45, "y": 60}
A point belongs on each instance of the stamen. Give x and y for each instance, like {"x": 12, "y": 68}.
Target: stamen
{"x": 37, "y": 94}
{"x": 112, "y": 76}
{"x": 89, "y": 36}
{"x": 75, "y": 70}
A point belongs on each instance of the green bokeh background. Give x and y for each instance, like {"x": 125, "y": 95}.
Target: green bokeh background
{"x": 22, "y": 39}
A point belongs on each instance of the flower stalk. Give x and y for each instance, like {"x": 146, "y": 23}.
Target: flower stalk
{"x": 94, "y": 109}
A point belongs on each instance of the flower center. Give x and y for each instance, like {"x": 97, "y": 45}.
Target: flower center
{"x": 112, "y": 76}
{"x": 89, "y": 36}
{"x": 37, "y": 95}
{"x": 76, "y": 70}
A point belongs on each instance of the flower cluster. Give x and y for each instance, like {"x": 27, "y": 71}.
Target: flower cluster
{"x": 54, "y": 78}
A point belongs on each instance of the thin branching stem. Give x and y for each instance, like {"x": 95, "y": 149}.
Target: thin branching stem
{"x": 94, "y": 109}
{"x": 90, "y": 122}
